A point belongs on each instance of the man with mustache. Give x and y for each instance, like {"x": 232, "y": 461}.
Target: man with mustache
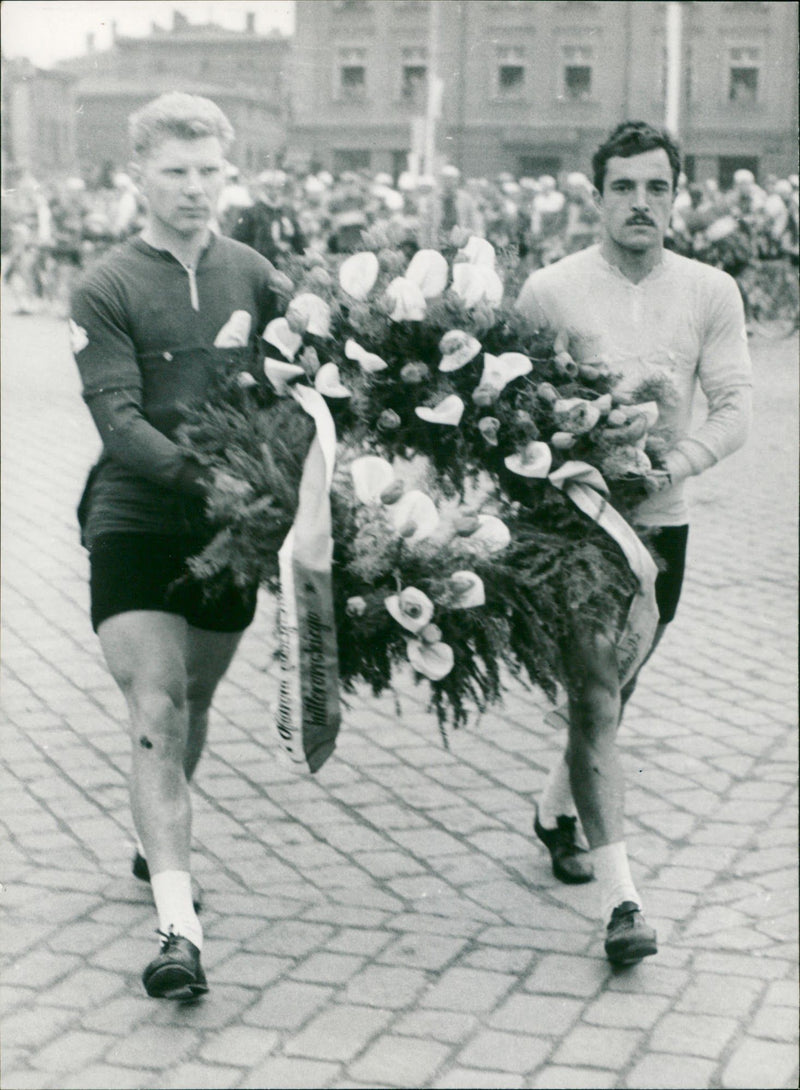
{"x": 152, "y": 323}
{"x": 648, "y": 315}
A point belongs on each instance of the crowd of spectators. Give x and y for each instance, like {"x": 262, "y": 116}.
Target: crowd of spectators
{"x": 53, "y": 231}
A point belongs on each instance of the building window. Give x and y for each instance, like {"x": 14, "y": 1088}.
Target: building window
{"x": 577, "y": 72}
{"x": 414, "y": 76}
{"x": 744, "y": 69}
{"x": 352, "y": 74}
{"x": 510, "y": 72}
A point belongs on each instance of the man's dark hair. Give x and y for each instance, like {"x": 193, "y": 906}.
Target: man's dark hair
{"x": 632, "y": 138}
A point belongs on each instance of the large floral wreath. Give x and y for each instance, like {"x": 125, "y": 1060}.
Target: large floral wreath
{"x": 454, "y": 551}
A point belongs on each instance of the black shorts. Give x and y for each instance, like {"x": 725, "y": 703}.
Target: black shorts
{"x": 669, "y": 543}
{"x": 132, "y": 571}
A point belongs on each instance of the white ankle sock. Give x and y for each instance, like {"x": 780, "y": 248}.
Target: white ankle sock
{"x": 556, "y": 797}
{"x": 172, "y": 892}
{"x": 613, "y": 875}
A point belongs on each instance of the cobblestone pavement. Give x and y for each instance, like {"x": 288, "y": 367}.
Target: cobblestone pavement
{"x": 390, "y": 923}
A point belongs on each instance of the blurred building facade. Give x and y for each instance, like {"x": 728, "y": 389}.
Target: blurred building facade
{"x": 38, "y": 131}
{"x": 246, "y": 73}
{"x": 532, "y": 87}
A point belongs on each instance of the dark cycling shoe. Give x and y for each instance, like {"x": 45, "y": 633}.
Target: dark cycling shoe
{"x": 140, "y": 870}
{"x": 570, "y": 864}
{"x": 176, "y": 973}
{"x": 628, "y": 937}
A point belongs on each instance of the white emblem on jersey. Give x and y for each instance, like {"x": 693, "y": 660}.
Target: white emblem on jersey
{"x": 78, "y": 338}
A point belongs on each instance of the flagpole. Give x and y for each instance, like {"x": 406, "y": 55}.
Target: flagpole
{"x": 674, "y": 34}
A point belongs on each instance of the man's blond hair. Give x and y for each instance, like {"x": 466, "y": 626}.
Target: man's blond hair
{"x": 177, "y": 115}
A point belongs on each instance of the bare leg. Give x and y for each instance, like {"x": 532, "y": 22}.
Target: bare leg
{"x": 594, "y": 709}
{"x": 209, "y": 654}
{"x": 146, "y": 654}
{"x": 627, "y": 689}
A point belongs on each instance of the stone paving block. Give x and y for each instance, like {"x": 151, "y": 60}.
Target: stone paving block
{"x": 359, "y": 941}
{"x": 250, "y": 970}
{"x": 513, "y": 1052}
{"x": 422, "y": 952}
{"x": 546, "y": 1016}
{"x": 561, "y": 974}
{"x": 469, "y": 990}
{"x": 247, "y": 1046}
{"x": 39, "y": 969}
{"x": 280, "y": 1073}
{"x": 573, "y": 1078}
{"x": 153, "y": 1046}
{"x": 201, "y": 1076}
{"x": 457, "y": 1078}
{"x": 34, "y": 1028}
{"x": 693, "y": 1034}
{"x": 289, "y": 938}
{"x": 103, "y": 1076}
{"x": 71, "y": 1051}
{"x": 339, "y": 1033}
{"x": 764, "y": 1064}
{"x": 775, "y": 1024}
{"x": 627, "y": 1011}
{"x": 118, "y": 1016}
{"x": 592, "y": 1046}
{"x": 286, "y": 1005}
{"x": 385, "y": 986}
{"x": 400, "y": 1061}
{"x": 448, "y": 1026}
{"x": 326, "y": 967}
{"x": 738, "y": 965}
{"x": 727, "y": 996}
{"x": 783, "y": 993}
{"x": 663, "y": 1071}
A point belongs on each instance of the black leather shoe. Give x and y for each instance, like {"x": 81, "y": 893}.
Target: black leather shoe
{"x": 176, "y": 973}
{"x": 628, "y": 937}
{"x": 140, "y": 870}
{"x": 570, "y": 864}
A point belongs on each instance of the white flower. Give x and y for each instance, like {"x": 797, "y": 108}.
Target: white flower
{"x": 236, "y": 331}
{"x": 357, "y": 274}
{"x": 448, "y": 411}
{"x": 498, "y": 371}
{"x": 428, "y": 270}
{"x": 371, "y": 475}
{"x": 368, "y": 361}
{"x": 410, "y": 608}
{"x": 492, "y": 534}
{"x": 475, "y": 284}
{"x": 408, "y": 302}
{"x": 432, "y": 660}
{"x": 279, "y": 334}
{"x": 415, "y": 516}
{"x": 314, "y": 312}
{"x": 457, "y": 348}
{"x": 326, "y": 382}
{"x": 469, "y": 589}
{"x": 478, "y": 251}
{"x": 576, "y": 415}
{"x": 534, "y": 461}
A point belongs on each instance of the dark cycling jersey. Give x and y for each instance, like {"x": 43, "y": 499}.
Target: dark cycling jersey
{"x": 143, "y": 329}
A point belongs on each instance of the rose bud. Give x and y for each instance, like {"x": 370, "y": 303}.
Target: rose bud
{"x": 388, "y": 420}
{"x": 408, "y": 529}
{"x": 566, "y": 365}
{"x": 431, "y": 633}
{"x": 489, "y": 427}
{"x": 411, "y": 602}
{"x": 484, "y": 395}
{"x": 355, "y": 607}
{"x": 466, "y": 523}
{"x": 414, "y": 373}
{"x": 616, "y": 418}
{"x": 547, "y": 392}
{"x": 562, "y": 440}
{"x": 392, "y": 493}
{"x": 394, "y": 261}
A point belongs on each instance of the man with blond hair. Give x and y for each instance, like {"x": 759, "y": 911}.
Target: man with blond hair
{"x": 148, "y": 323}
